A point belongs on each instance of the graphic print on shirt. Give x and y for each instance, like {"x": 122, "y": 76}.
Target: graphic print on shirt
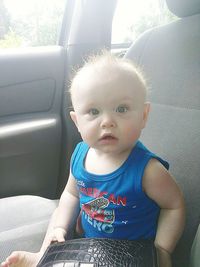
{"x": 99, "y": 212}
{"x": 96, "y": 209}
{"x": 98, "y": 215}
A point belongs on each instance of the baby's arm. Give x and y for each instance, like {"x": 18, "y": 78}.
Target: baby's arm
{"x": 161, "y": 187}
{"x": 67, "y": 212}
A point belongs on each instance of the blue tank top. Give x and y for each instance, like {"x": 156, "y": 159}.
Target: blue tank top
{"x": 114, "y": 205}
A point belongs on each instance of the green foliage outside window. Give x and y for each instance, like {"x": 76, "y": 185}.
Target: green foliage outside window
{"x": 133, "y": 17}
{"x": 38, "y": 25}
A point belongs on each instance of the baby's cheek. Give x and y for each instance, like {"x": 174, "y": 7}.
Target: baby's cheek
{"x": 89, "y": 134}
{"x": 132, "y": 133}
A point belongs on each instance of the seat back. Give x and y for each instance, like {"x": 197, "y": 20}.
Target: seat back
{"x": 170, "y": 58}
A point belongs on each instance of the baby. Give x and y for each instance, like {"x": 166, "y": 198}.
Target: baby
{"x": 124, "y": 190}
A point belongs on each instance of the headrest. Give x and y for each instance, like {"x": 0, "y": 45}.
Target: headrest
{"x": 184, "y": 8}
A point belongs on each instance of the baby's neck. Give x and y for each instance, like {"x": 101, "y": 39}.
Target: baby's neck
{"x": 104, "y": 163}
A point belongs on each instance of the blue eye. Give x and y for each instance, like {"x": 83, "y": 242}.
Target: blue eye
{"x": 93, "y": 111}
{"x": 122, "y": 109}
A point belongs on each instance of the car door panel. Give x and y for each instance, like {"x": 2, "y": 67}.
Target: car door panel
{"x": 27, "y": 97}
{"x": 31, "y": 89}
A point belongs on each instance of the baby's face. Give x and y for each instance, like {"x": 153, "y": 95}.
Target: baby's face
{"x": 109, "y": 111}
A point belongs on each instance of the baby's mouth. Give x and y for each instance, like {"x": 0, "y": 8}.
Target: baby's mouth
{"x": 108, "y": 137}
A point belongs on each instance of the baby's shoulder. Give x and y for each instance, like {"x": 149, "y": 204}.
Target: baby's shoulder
{"x": 155, "y": 175}
{"x": 160, "y": 186}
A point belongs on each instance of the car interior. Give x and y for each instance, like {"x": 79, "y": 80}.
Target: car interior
{"x": 37, "y": 136}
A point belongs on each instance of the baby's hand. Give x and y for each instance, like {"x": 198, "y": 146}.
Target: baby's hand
{"x": 58, "y": 235}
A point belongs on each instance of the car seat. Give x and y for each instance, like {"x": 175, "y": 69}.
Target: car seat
{"x": 170, "y": 57}
{"x": 23, "y": 223}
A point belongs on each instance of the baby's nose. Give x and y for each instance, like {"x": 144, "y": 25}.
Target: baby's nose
{"x": 108, "y": 122}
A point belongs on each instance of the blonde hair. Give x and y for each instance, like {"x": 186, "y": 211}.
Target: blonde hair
{"x": 106, "y": 63}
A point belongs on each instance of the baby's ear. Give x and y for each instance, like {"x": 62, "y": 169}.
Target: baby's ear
{"x": 74, "y": 118}
{"x": 146, "y": 113}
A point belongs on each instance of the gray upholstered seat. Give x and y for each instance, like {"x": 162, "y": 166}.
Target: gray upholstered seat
{"x": 170, "y": 57}
{"x": 23, "y": 223}
{"x": 195, "y": 257}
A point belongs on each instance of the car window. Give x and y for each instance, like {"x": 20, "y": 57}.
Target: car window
{"x": 134, "y": 17}
{"x": 30, "y": 23}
